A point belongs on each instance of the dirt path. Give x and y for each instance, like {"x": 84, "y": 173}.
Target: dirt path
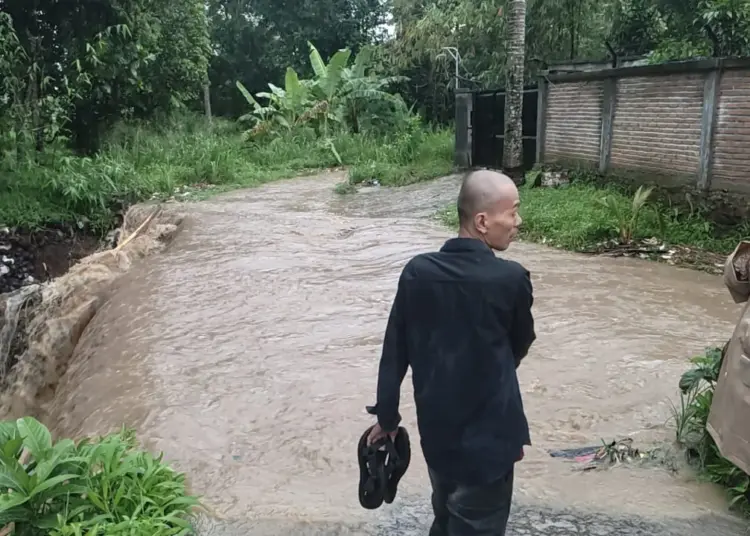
{"x": 248, "y": 351}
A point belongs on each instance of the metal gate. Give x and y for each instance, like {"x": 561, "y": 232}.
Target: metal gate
{"x": 488, "y": 127}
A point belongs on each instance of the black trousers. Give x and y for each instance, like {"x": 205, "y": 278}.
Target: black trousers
{"x": 471, "y": 510}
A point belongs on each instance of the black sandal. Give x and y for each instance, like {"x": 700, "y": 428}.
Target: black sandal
{"x": 381, "y": 467}
{"x": 399, "y": 457}
{"x": 372, "y": 479}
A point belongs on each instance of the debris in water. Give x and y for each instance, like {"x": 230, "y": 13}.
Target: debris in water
{"x": 574, "y": 453}
{"x": 613, "y": 453}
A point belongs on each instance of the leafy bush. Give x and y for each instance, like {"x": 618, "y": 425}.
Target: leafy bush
{"x": 93, "y": 488}
{"x": 697, "y": 387}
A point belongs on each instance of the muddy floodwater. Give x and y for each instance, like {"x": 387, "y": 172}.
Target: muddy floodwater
{"x": 248, "y": 350}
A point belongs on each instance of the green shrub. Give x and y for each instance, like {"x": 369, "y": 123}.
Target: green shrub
{"x": 93, "y": 488}
{"x": 697, "y": 387}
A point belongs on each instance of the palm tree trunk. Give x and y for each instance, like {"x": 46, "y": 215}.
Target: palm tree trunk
{"x": 514, "y": 70}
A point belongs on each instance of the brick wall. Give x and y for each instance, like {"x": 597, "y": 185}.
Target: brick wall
{"x": 574, "y": 122}
{"x": 731, "y": 157}
{"x": 657, "y": 126}
{"x": 682, "y": 124}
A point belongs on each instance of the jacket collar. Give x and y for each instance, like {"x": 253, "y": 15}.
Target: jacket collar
{"x": 466, "y": 245}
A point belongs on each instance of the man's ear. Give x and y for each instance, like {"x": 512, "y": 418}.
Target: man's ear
{"x": 480, "y": 222}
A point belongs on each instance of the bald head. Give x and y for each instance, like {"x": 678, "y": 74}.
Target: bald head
{"x": 488, "y": 209}
{"x": 481, "y": 190}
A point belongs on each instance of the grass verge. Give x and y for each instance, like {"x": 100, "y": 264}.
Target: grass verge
{"x": 101, "y": 487}
{"x": 586, "y": 217}
{"x": 697, "y": 388}
{"x": 141, "y": 161}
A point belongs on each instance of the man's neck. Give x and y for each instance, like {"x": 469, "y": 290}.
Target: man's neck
{"x": 465, "y": 233}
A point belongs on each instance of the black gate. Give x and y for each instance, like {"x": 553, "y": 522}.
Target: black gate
{"x": 488, "y": 127}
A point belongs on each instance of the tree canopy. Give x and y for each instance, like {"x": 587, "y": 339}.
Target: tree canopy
{"x": 77, "y": 67}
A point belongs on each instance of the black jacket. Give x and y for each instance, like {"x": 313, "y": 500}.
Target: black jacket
{"x": 462, "y": 320}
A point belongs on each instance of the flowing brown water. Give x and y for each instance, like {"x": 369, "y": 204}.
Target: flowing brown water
{"x": 248, "y": 351}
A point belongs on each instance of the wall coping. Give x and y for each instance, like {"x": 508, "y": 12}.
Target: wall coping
{"x": 681, "y": 67}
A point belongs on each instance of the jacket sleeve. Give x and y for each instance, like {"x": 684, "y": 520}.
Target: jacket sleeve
{"x": 522, "y": 333}
{"x": 393, "y": 365}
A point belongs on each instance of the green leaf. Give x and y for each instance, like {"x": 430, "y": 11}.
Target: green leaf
{"x": 48, "y": 522}
{"x": 361, "y": 62}
{"x": 318, "y": 65}
{"x": 50, "y": 483}
{"x": 35, "y": 435}
{"x": 12, "y": 448}
{"x": 13, "y": 514}
{"x": 8, "y": 431}
{"x": 12, "y": 500}
{"x": 248, "y": 97}
{"x": 182, "y": 501}
{"x": 94, "y": 498}
{"x": 44, "y": 468}
{"x": 64, "y": 445}
{"x": 295, "y": 91}
{"x": 14, "y": 478}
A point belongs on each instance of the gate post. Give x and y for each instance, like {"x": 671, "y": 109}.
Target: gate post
{"x": 541, "y": 117}
{"x": 464, "y": 144}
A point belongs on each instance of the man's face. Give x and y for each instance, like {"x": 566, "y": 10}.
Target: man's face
{"x": 499, "y": 224}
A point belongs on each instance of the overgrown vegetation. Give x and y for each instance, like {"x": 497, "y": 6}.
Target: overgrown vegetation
{"x": 346, "y": 100}
{"x": 101, "y": 487}
{"x": 139, "y": 161}
{"x": 585, "y": 216}
{"x": 697, "y": 388}
{"x": 68, "y": 80}
{"x": 342, "y": 117}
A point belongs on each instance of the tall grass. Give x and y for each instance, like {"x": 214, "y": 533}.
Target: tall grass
{"x": 144, "y": 160}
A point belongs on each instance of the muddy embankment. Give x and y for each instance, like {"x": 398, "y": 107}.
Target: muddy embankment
{"x": 41, "y": 322}
{"x": 28, "y": 257}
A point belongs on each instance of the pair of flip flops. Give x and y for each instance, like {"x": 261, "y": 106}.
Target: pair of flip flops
{"x": 381, "y": 466}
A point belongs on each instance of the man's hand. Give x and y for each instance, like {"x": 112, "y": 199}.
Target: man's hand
{"x": 377, "y": 433}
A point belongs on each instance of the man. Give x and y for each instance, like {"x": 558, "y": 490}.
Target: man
{"x": 462, "y": 320}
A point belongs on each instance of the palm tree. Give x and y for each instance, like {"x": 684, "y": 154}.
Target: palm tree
{"x": 516, "y": 43}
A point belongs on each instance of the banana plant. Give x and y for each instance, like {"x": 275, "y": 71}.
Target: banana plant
{"x": 359, "y": 89}
{"x": 260, "y": 116}
{"x": 328, "y": 82}
{"x": 285, "y": 106}
{"x": 291, "y": 102}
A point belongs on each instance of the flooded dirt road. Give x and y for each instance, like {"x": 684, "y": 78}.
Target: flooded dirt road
{"x": 248, "y": 350}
